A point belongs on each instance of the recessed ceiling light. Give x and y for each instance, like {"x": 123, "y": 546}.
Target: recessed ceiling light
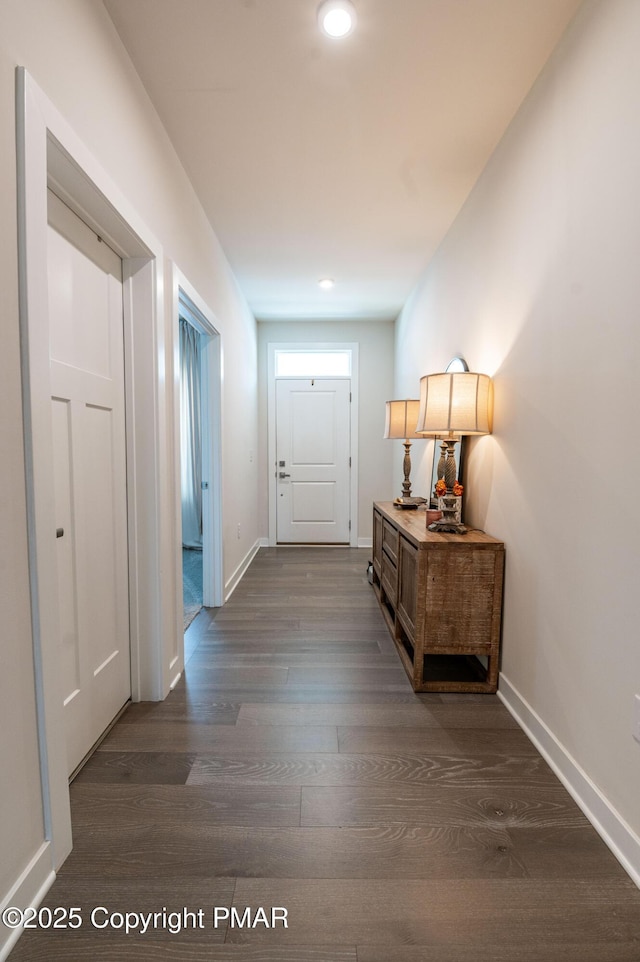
{"x": 326, "y": 283}
{"x": 337, "y": 18}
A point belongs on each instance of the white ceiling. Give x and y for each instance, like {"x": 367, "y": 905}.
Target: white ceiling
{"x": 349, "y": 159}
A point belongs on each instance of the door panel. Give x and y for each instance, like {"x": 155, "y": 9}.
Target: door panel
{"x": 313, "y": 427}
{"x": 313, "y": 453}
{"x": 313, "y": 501}
{"x": 101, "y": 573}
{"x": 65, "y": 555}
{"x": 88, "y": 425}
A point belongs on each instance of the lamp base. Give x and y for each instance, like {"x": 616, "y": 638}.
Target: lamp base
{"x": 409, "y": 502}
{"x": 454, "y": 527}
{"x": 450, "y": 520}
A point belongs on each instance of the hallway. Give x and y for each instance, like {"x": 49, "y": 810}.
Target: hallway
{"x": 294, "y": 767}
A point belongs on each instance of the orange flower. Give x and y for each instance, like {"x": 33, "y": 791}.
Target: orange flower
{"x": 441, "y": 488}
{"x": 458, "y": 489}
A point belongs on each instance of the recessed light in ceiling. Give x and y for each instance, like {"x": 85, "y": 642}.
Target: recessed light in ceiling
{"x": 337, "y": 18}
{"x": 326, "y": 283}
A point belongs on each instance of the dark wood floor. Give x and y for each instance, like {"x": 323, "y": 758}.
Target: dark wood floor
{"x": 294, "y": 767}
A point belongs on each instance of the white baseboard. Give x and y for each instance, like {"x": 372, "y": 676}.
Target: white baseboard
{"x": 361, "y": 543}
{"x": 29, "y": 890}
{"x": 609, "y": 824}
{"x": 237, "y": 575}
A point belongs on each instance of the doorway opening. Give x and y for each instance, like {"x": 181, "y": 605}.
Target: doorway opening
{"x": 198, "y": 380}
{"x": 191, "y": 481}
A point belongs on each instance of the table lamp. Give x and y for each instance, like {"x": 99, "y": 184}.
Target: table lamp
{"x": 453, "y": 405}
{"x": 400, "y": 423}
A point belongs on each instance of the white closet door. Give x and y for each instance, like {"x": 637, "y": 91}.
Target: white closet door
{"x": 88, "y": 421}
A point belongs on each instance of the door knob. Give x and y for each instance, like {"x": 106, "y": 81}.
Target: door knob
{"x": 283, "y": 474}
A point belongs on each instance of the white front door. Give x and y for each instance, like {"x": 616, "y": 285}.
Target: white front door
{"x": 88, "y": 418}
{"x": 313, "y": 460}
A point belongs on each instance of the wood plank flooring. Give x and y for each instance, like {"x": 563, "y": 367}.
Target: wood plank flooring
{"x": 293, "y": 766}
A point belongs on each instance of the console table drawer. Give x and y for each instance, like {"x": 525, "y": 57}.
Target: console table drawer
{"x": 389, "y": 579}
{"x": 390, "y": 540}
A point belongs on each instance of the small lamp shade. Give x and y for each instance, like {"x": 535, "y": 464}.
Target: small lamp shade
{"x": 401, "y": 420}
{"x": 454, "y": 404}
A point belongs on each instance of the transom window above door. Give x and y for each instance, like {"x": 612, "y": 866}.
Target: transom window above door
{"x": 309, "y": 363}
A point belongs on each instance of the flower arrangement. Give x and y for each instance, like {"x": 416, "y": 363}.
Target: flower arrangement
{"x": 441, "y": 489}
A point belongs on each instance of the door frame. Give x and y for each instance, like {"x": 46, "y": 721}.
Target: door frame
{"x": 50, "y": 154}
{"x": 272, "y": 348}
{"x": 186, "y": 300}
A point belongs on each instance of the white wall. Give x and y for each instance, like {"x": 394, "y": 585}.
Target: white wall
{"x": 538, "y": 285}
{"x": 375, "y": 455}
{"x": 71, "y": 50}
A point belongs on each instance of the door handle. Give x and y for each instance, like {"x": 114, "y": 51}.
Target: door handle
{"x": 283, "y": 474}
{"x": 59, "y": 532}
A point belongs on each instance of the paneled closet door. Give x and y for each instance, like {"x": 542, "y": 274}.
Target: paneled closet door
{"x": 90, "y": 484}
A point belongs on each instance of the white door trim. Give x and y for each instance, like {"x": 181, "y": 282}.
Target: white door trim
{"x": 49, "y": 152}
{"x": 187, "y": 300}
{"x": 272, "y": 348}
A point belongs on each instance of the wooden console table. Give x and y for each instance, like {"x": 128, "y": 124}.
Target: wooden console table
{"x": 441, "y": 596}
